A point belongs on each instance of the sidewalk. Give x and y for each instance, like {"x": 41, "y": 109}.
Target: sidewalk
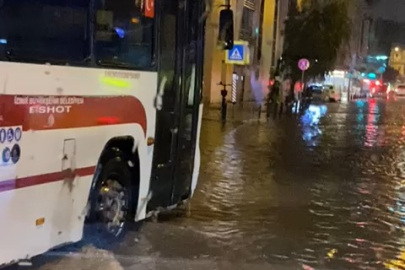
{"x": 246, "y": 111}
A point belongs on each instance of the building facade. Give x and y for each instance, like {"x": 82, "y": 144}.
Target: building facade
{"x": 397, "y": 58}
{"x": 353, "y": 53}
{"x": 258, "y": 22}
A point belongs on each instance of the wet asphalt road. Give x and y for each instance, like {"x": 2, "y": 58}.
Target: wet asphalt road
{"x": 326, "y": 190}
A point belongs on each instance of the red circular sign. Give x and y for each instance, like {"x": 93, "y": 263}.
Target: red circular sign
{"x": 303, "y": 64}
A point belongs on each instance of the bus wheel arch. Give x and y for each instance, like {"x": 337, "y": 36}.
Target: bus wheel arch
{"x": 116, "y": 159}
{"x": 124, "y": 146}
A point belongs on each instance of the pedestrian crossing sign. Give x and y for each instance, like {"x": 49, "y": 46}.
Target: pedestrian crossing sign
{"x": 236, "y": 54}
{"x": 239, "y": 54}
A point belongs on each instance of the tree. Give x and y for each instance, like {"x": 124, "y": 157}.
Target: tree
{"x": 317, "y": 32}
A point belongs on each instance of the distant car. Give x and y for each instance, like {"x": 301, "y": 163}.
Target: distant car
{"x": 379, "y": 90}
{"x": 400, "y": 90}
{"x": 330, "y": 94}
{"x": 316, "y": 89}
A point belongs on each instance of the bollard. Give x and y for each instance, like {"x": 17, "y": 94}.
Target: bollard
{"x": 224, "y": 105}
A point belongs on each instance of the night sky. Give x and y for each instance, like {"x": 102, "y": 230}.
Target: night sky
{"x": 390, "y": 10}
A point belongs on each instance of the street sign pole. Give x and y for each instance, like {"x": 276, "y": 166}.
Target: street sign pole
{"x": 303, "y": 65}
{"x": 302, "y": 79}
{"x": 238, "y": 55}
{"x": 302, "y": 90}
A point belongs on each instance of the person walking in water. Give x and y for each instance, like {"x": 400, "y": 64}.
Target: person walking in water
{"x": 277, "y": 98}
{"x": 306, "y": 98}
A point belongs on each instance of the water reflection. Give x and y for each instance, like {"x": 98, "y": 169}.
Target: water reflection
{"x": 309, "y": 123}
{"x": 368, "y": 123}
{"x": 266, "y": 193}
{"x": 371, "y": 126}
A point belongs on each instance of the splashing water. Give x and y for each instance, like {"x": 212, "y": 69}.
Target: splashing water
{"x": 259, "y": 88}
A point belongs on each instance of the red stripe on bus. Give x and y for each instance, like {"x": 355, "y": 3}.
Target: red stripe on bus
{"x": 30, "y": 181}
{"x": 65, "y": 112}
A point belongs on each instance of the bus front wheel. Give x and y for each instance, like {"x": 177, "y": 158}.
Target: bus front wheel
{"x": 111, "y": 203}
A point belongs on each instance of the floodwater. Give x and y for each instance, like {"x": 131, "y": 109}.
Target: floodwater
{"x": 325, "y": 190}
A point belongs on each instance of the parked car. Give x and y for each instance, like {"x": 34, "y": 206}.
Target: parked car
{"x": 400, "y": 90}
{"x": 330, "y": 94}
{"x": 316, "y": 89}
{"x": 379, "y": 90}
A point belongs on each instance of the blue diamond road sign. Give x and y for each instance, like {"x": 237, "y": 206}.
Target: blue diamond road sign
{"x": 237, "y": 53}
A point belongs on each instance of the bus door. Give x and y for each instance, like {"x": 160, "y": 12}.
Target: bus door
{"x": 176, "y": 122}
{"x": 190, "y": 97}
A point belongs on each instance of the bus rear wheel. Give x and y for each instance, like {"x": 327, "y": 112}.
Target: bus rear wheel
{"x": 111, "y": 204}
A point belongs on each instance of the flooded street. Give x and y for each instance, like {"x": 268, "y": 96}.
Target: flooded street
{"x": 285, "y": 195}
{"x": 329, "y": 195}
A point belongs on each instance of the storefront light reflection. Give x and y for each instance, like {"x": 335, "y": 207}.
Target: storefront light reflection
{"x": 371, "y": 126}
{"x": 310, "y": 121}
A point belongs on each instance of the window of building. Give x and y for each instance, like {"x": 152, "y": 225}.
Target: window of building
{"x": 246, "y": 30}
{"x": 275, "y": 33}
{"x": 124, "y": 35}
{"x": 260, "y": 34}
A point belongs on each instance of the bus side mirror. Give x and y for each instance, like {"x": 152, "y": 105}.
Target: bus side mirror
{"x": 225, "y": 35}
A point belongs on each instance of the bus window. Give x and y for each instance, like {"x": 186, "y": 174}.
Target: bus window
{"x": 123, "y": 34}
{"x": 42, "y": 31}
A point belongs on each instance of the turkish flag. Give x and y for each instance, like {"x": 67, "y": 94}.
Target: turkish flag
{"x": 149, "y": 8}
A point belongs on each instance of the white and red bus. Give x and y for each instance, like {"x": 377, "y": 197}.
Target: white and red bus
{"x": 100, "y": 114}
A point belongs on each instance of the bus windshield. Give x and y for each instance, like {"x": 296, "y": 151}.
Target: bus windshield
{"x": 68, "y": 32}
